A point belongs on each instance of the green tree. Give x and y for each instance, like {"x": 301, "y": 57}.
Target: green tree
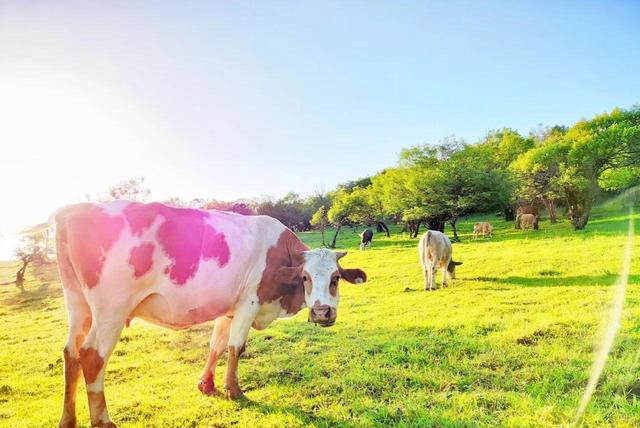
{"x": 320, "y": 220}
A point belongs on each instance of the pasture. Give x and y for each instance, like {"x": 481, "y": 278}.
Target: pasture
{"x": 509, "y": 343}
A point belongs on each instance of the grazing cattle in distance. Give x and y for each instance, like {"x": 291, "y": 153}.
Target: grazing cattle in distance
{"x": 365, "y": 238}
{"x": 526, "y": 209}
{"x": 436, "y": 252}
{"x": 527, "y": 221}
{"x": 178, "y": 267}
{"x": 483, "y": 229}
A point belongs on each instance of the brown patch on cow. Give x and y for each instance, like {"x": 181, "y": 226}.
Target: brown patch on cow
{"x": 288, "y": 288}
{"x": 71, "y": 378}
{"x": 91, "y": 363}
{"x": 333, "y": 285}
{"x": 87, "y": 234}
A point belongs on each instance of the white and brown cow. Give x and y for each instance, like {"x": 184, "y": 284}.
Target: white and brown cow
{"x": 178, "y": 267}
{"x": 436, "y": 252}
{"x": 483, "y": 228}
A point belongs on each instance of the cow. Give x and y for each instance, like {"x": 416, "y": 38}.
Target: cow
{"x": 178, "y": 267}
{"x": 436, "y": 252}
{"x": 527, "y": 221}
{"x": 526, "y": 209}
{"x": 365, "y": 239}
{"x": 483, "y": 229}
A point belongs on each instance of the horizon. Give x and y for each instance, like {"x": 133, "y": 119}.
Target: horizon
{"x": 229, "y": 102}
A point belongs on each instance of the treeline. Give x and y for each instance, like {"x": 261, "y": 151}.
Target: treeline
{"x": 558, "y": 168}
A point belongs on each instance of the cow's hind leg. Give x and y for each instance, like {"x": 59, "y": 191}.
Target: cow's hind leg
{"x": 94, "y": 354}
{"x": 217, "y": 346}
{"x": 79, "y": 323}
{"x": 240, "y": 325}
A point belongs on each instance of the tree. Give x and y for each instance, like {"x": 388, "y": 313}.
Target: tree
{"x": 462, "y": 187}
{"x": 320, "y": 221}
{"x": 291, "y": 210}
{"x": 30, "y": 250}
{"x": 538, "y": 171}
{"x": 132, "y": 189}
{"x": 608, "y": 142}
{"x": 338, "y": 215}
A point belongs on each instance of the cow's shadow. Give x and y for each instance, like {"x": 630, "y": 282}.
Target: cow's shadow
{"x": 308, "y": 418}
{"x": 547, "y": 281}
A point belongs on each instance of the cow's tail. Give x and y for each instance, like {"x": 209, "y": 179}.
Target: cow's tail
{"x": 60, "y": 219}
{"x": 424, "y": 248}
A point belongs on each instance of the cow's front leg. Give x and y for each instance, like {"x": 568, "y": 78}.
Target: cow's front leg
{"x": 444, "y": 276}
{"x": 217, "y": 346}
{"x": 240, "y": 325}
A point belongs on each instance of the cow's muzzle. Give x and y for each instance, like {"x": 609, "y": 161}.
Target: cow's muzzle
{"x": 324, "y": 315}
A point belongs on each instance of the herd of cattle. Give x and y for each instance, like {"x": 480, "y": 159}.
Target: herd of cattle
{"x": 178, "y": 267}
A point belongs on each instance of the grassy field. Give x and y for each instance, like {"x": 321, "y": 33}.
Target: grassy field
{"x": 509, "y": 343}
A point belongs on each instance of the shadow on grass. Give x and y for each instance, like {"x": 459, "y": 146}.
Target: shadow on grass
{"x": 33, "y": 298}
{"x": 547, "y": 281}
{"x": 304, "y": 416}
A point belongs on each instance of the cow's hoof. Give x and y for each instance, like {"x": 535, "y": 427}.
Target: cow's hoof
{"x": 106, "y": 425}
{"x": 68, "y": 424}
{"x": 233, "y": 393}
{"x": 207, "y": 387}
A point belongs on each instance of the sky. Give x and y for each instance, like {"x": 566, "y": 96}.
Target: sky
{"x": 232, "y": 100}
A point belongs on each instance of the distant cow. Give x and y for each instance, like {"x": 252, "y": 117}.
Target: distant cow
{"x": 179, "y": 267}
{"x": 528, "y": 209}
{"x": 527, "y": 221}
{"x": 435, "y": 252}
{"x": 483, "y": 229}
{"x": 365, "y": 239}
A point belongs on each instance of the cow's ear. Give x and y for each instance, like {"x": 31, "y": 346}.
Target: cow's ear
{"x": 354, "y": 276}
{"x": 288, "y": 275}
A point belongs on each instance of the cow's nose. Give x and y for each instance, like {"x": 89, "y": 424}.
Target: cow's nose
{"x": 321, "y": 312}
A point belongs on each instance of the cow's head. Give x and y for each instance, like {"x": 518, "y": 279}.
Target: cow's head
{"x": 319, "y": 272}
{"x": 452, "y": 268}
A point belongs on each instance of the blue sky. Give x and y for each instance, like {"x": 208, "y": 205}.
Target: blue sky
{"x": 241, "y": 99}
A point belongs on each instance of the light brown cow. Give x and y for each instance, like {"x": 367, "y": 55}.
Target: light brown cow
{"x": 527, "y": 221}
{"x": 435, "y": 252}
{"x": 483, "y": 229}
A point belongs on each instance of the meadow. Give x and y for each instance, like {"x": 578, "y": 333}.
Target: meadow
{"x": 509, "y": 343}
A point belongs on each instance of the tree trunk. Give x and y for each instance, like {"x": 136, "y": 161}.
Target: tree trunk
{"x": 456, "y": 238}
{"x": 322, "y": 232}
{"x": 509, "y": 215}
{"x": 380, "y": 226}
{"x": 414, "y": 228}
{"x": 20, "y": 274}
{"x": 335, "y": 236}
{"x": 579, "y": 208}
{"x": 550, "y": 205}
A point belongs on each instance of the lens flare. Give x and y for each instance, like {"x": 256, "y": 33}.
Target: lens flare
{"x": 610, "y": 330}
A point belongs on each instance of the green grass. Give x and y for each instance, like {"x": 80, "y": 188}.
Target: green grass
{"x": 509, "y": 343}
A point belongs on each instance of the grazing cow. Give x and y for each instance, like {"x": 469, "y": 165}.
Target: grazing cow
{"x": 527, "y": 221}
{"x": 483, "y": 229}
{"x": 436, "y": 252}
{"x": 365, "y": 238}
{"x": 178, "y": 267}
{"x": 526, "y": 209}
